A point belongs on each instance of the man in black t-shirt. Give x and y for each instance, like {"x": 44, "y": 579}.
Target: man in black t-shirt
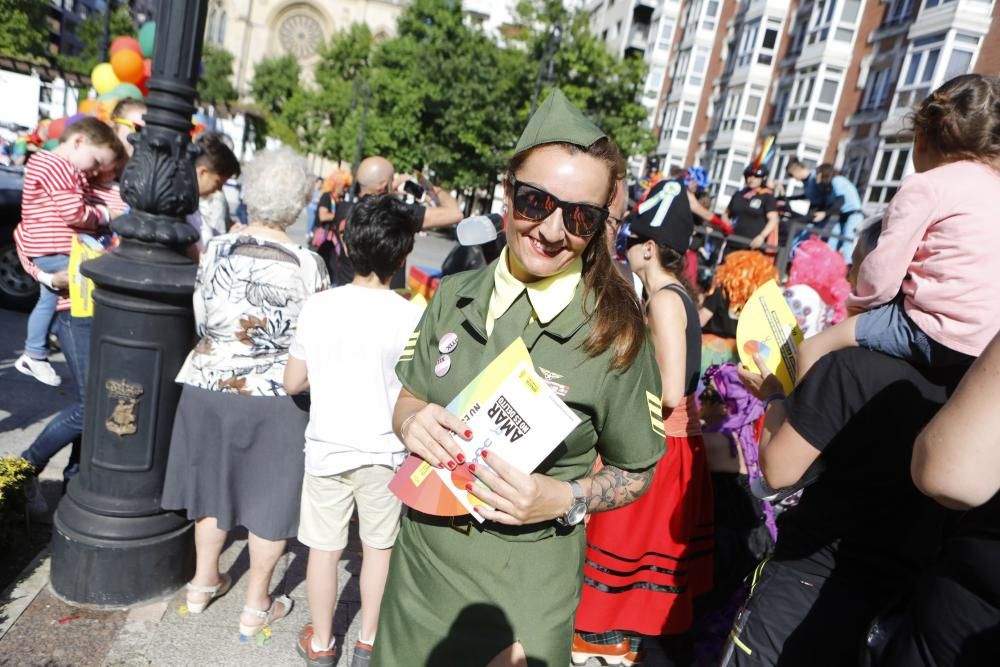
{"x": 860, "y": 533}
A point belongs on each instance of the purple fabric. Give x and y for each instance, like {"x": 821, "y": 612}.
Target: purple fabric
{"x": 743, "y": 410}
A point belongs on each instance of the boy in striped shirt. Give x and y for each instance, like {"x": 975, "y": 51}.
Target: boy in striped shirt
{"x": 55, "y": 206}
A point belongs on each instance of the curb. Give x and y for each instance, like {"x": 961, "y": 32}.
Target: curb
{"x": 26, "y": 587}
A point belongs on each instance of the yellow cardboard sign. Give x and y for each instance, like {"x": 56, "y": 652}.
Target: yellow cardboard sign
{"x": 81, "y": 288}
{"x": 768, "y": 327}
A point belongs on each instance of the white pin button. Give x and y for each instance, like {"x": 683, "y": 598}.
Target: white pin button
{"x": 448, "y": 343}
{"x": 442, "y": 366}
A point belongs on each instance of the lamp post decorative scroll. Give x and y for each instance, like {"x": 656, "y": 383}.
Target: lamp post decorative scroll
{"x": 113, "y": 546}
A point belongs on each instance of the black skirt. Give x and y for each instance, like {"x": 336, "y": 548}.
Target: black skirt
{"x": 238, "y": 459}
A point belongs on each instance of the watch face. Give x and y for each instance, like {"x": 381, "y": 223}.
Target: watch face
{"x": 576, "y": 513}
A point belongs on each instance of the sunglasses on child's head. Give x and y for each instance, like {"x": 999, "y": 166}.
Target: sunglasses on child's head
{"x": 134, "y": 125}
{"x": 535, "y": 204}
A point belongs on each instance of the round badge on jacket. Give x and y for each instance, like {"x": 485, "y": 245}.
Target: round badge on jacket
{"x": 448, "y": 343}
{"x": 442, "y": 365}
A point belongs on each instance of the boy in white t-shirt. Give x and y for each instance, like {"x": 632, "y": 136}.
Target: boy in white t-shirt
{"x": 345, "y": 352}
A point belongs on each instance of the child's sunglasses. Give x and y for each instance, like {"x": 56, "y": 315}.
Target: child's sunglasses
{"x": 535, "y": 204}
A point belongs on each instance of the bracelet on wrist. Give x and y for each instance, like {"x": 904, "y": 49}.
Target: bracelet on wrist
{"x": 405, "y": 425}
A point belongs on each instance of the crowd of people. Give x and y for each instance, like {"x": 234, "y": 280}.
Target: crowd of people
{"x": 852, "y": 521}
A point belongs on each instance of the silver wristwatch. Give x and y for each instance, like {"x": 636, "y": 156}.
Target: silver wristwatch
{"x": 574, "y": 515}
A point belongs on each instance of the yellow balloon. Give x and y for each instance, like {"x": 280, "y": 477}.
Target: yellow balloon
{"x": 103, "y": 78}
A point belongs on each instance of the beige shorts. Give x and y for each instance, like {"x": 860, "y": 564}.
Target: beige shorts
{"x": 328, "y": 502}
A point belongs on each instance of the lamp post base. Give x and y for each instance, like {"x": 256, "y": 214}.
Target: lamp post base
{"x": 104, "y": 568}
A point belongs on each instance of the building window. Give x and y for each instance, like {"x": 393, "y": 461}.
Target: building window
{"x": 930, "y": 4}
{"x": 802, "y": 92}
{"x": 827, "y": 101}
{"x": 210, "y": 33}
{"x": 898, "y": 12}
{"x": 655, "y": 80}
{"x": 890, "y": 167}
{"x": 822, "y": 18}
{"x": 699, "y": 64}
{"x": 666, "y": 33}
{"x": 711, "y": 15}
{"x": 799, "y": 36}
{"x": 780, "y": 105}
{"x": 960, "y": 62}
{"x": 876, "y": 89}
{"x": 221, "y": 33}
{"x": 748, "y": 41}
{"x": 918, "y": 69}
{"x": 769, "y": 42}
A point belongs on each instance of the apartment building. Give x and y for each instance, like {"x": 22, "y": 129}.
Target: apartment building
{"x": 831, "y": 80}
{"x": 639, "y": 29}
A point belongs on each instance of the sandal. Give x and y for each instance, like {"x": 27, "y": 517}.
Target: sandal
{"x": 269, "y": 616}
{"x": 216, "y": 591}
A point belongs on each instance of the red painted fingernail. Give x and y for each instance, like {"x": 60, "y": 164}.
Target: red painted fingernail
{"x": 472, "y": 467}
{"x": 441, "y": 465}
{"x": 484, "y": 454}
{"x": 468, "y": 487}
{"x": 468, "y": 433}
{"x": 460, "y": 458}
{"x": 451, "y": 465}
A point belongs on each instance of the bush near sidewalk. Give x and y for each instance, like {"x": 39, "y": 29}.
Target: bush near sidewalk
{"x": 13, "y": 473}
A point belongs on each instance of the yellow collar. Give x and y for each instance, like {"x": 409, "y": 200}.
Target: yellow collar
{"x": 548, "y": 296}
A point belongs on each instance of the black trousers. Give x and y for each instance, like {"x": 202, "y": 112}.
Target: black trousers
{"x": 794, "y": 619}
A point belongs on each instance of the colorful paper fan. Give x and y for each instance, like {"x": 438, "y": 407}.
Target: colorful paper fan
{"x": 418, "y": 487}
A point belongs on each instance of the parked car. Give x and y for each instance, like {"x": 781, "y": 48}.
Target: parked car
{"x": 17, "y": 289}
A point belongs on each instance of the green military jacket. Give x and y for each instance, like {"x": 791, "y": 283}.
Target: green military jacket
{"x": 619, "y": 409}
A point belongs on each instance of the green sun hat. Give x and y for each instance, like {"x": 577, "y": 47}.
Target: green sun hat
{"x": 558, "y": 121}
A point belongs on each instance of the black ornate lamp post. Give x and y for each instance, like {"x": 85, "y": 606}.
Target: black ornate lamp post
{"x": 113, "y": 545}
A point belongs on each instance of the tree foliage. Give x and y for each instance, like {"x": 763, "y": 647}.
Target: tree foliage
{"x": 275, "y": 81}
{"x": 91, "y": 35}
{"x": 445, "y": 96}
{"x": 215, "y": 86}
{"x": 23, "y": 31}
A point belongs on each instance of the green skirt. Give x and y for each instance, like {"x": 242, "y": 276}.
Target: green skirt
{"x": 457, "y": 598}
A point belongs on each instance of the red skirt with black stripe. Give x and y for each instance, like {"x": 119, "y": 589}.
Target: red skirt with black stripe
{"x": 646, "y": 562}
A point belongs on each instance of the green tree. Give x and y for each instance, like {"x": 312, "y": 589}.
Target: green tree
{"x": 446, "y": 97}
{"x": 23, "y": 31}
{"x": 607, "y": 88}
{"x": 275, "y": 81}
{"x": 91, "y": 35}
{"x": 215, "y": 86}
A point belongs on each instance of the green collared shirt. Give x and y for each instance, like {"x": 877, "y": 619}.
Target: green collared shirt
{"x": 619, "y": 409}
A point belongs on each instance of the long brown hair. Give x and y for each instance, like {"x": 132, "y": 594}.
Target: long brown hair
{"x": 617, "y": 321}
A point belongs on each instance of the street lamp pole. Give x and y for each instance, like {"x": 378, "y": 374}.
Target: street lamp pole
{"x": 113, "y": 545}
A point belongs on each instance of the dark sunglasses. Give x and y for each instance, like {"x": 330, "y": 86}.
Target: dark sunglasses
{"x": 535, "y": 204}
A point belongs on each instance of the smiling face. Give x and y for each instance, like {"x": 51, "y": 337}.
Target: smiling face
{"x": 539, "y": 249}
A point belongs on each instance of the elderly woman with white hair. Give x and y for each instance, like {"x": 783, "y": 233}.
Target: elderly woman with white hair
{"x": 236, "y": 451}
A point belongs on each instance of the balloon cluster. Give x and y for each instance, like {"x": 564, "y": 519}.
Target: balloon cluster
{"x": 126, "y": 73}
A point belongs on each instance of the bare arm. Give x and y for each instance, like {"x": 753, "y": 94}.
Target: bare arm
{"x": 296, "y": 378}
{"x": 697, "y": 208}
{"x": 956, "y": 459}
{"x": 446, "y": 213}
{"x": 772, "y": 223}
{"x": 611, "y": 488}
{"x": 667, "y": 322}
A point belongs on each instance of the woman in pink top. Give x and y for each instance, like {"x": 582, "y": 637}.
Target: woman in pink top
{"x": 927, "y": 292}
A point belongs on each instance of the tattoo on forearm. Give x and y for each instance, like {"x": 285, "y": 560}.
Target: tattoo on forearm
{"x": 613, "y": 487}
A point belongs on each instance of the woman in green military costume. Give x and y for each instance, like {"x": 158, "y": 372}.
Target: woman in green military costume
{"x": 504, "y": 592}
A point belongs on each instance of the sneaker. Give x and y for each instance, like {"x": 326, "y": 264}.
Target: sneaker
{"x": 40, "y": 369}
{"x": 34, "y": 501}
{"x": 314, "y": 658}
{"x": 606, "y": 653}
{"x": 362, "y": 655}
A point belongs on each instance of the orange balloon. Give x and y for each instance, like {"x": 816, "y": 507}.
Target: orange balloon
{"x": 124, "y": 43}
{"x": 147, "y": 68}
{"x": 87, "y": 106}
{"x": 127, "y": 66}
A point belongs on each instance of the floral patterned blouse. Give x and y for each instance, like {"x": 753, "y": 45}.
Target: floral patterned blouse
{"x": 247, "y": 298}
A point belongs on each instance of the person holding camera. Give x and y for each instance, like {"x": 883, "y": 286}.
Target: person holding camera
{"x": 376, "y": 176}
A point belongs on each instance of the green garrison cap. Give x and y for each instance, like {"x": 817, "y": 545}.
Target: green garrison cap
{"x": 558, "y": 121}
